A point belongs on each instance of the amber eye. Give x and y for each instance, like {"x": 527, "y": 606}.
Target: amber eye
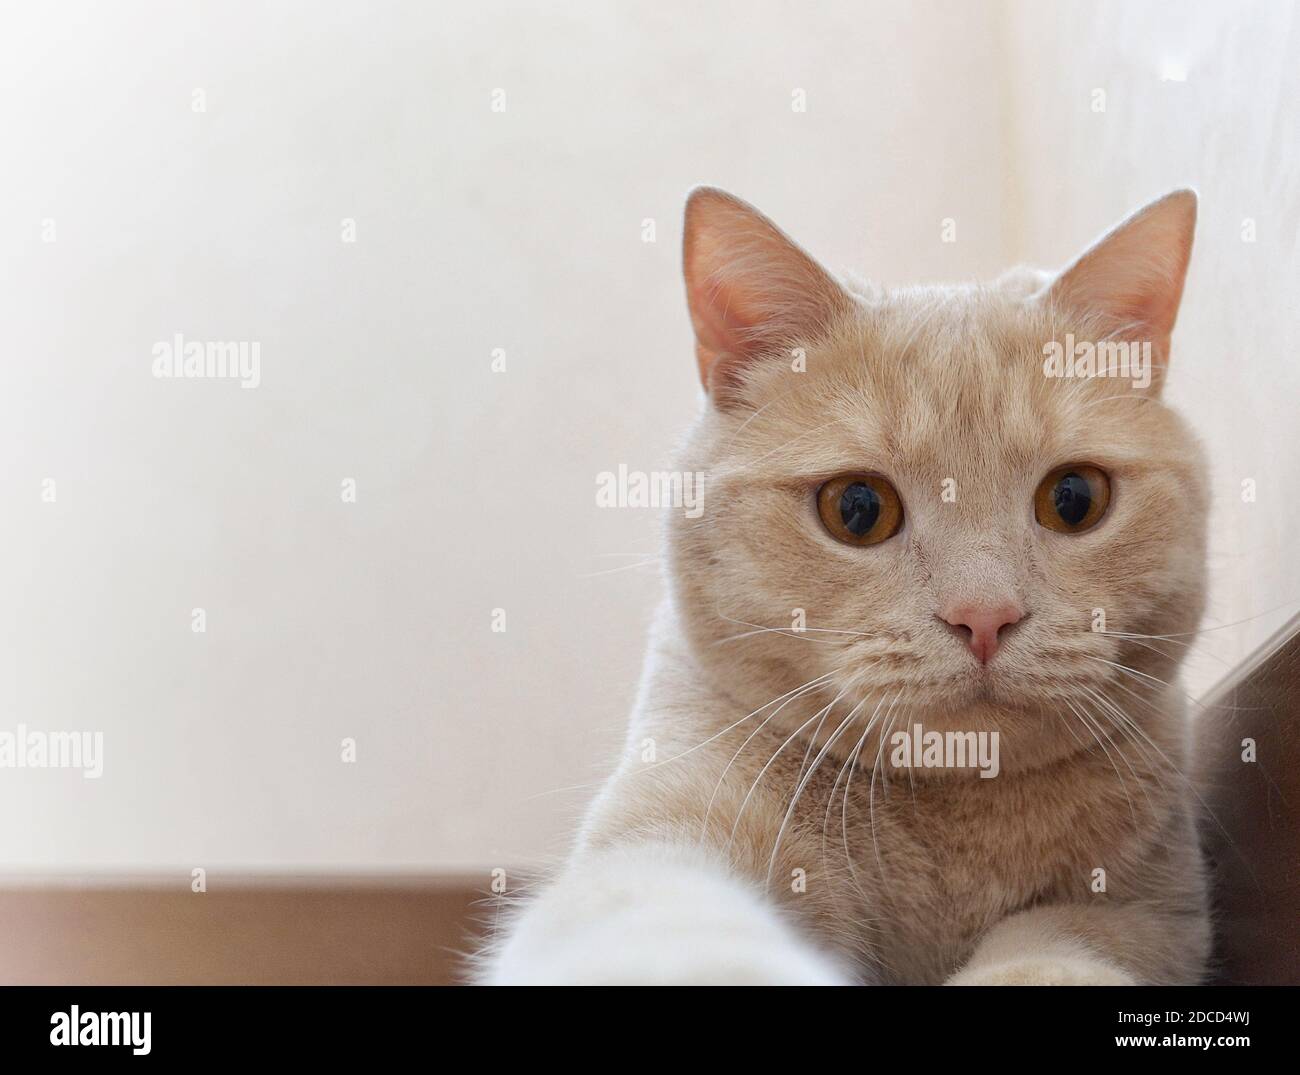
{"x": 860, "y": 509}
{"x": 1072, "y": 499}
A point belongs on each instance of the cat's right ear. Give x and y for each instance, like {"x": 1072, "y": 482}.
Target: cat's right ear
{"x": 751, "y": 290}
{"x": 1132, "y": 278}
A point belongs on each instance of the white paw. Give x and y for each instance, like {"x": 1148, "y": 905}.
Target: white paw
{"x": 683, "y": 958}
{"x": 654, "y": 915}
{"x": 1047, "y": 969}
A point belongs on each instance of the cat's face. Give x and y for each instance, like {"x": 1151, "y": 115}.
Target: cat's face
{"x": 900, "y": 498}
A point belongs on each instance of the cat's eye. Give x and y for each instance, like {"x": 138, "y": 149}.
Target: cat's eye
{"x": 860, "y": 509}
{"x": 1072, "y": 499}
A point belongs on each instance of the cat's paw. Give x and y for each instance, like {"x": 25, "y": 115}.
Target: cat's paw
{"x": 690, "y": 959}
{"x": 654, "y": 915}
{"x": 1046, "y": 969}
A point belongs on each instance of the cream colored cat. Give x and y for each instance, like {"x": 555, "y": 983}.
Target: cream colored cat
{"x": 913, "y": 515}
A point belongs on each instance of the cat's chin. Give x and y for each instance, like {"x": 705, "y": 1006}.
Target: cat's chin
{"x": 1002, "y": 733}
{"x": 982, "y": 700}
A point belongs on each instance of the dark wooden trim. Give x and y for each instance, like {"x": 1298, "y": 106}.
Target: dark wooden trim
{"x": 1252, "y": 831}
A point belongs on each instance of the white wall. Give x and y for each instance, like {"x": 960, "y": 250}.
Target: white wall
{"x": 476, "y": 230}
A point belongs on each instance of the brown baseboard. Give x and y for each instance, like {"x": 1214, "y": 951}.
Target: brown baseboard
{"x": 285, "y": 933}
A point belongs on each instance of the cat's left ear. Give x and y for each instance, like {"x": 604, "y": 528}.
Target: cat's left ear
{"x": 1131, "y": 280}
{"x": 751, "y": 290}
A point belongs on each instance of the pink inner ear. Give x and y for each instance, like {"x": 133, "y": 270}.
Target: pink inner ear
{"x": 1134, "y": 275}
{"x": 1134, "y": 317}
{"x": 748, "y": 286}
{"x": 1123, "y": 289}
{"x": 717, "y": 324}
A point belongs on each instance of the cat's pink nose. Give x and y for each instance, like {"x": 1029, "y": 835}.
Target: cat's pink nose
{"x": 981, "y": 625}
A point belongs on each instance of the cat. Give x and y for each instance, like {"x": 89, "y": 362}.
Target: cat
{"x": 926, "y": 511}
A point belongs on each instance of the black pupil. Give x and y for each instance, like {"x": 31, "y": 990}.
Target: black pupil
{"x": 859, "y": 508}
{"x": 1072, "y": 498}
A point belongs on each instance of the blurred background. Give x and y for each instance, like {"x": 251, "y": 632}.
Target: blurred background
{"x": 453, "y": 231}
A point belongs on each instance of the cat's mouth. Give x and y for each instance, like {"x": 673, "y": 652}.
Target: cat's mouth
{"x": 994, "y": 685}
{"x": 982, "y": 687}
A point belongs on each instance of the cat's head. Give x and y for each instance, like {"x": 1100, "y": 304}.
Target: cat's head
{"x": 922, "y": 495}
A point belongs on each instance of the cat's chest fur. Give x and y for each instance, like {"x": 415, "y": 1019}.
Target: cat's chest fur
{"x": 902, "y": 875}
{"x": 939, "y": 861}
